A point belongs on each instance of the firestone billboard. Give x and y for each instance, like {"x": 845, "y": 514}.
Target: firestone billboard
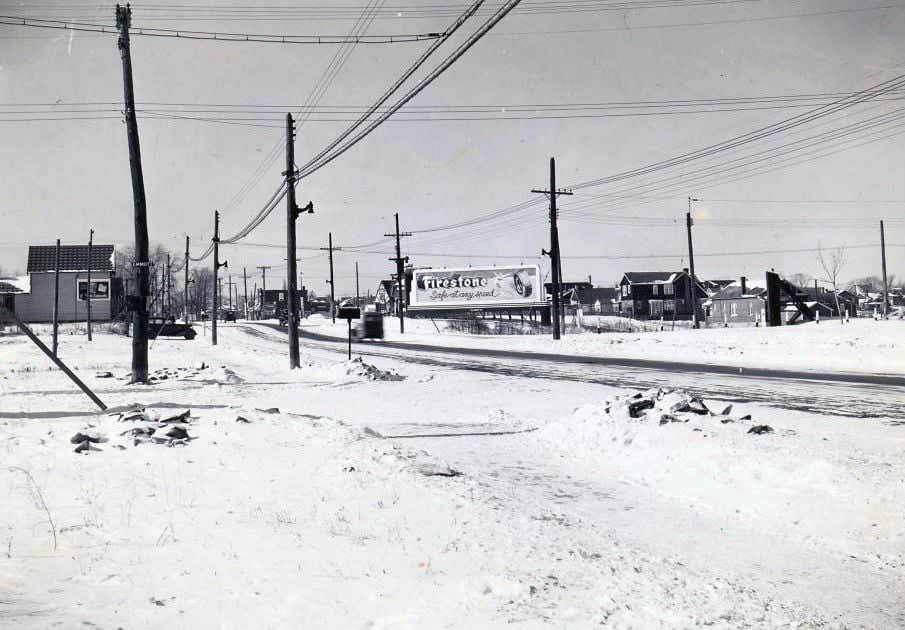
{"x": 477, "y": 287}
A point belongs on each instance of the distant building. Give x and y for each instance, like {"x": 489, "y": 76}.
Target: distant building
{"x": 9, "y": 288}
{"x": 36, "y": 303}
{"x": 656, "y": 294}
{"x": 712, "y": 287}
{"x": 736, "y": 303}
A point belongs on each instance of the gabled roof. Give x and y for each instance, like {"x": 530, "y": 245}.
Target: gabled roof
{"x": 20, "y": 284}
{"x": 72, "y": 258}
{"x": 589, "y": 296}
{"x": 651, "y": 277}
{"x": 734, "y": 291}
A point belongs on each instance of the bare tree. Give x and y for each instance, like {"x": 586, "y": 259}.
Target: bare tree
{"x": 832, "y": 262}
{"x": 800, "y": 279}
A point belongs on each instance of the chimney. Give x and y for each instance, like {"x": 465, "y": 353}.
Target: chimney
{"x": 685, "y": 269}
{"x": 744, "y": 284}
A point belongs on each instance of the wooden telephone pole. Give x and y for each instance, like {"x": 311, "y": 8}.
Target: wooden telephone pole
{"x": 263, "y": 269}
{"x": 217, "y": 264}
{"x": 555, "y": 261}
{"x": 185, "y": 288}
{"x": 139, "y": 297}
{"x": 885, "y": 283}
{"x": 400, "y": 274}
{"x": 331, "y": 249}
{"x": 88, "y": 288}
{"x": 168, "y": 287}
{"x": 694, "y": 294}
{"x": 229, "y": 291}
{"x": 245, "y": 285}
{"x": 357, "y": 292}
{"x": 56, "y": 295}
{"x": 292, "y": 214}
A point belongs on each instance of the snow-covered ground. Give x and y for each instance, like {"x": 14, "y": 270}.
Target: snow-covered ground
{"x": 326, "y": 510}
{"x": 862, "y": 345}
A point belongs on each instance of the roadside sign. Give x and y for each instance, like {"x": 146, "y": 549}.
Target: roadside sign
{"x": 477, "y": 287}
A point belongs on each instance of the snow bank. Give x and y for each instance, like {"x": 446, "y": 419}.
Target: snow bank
{"x": 862, "y": 345}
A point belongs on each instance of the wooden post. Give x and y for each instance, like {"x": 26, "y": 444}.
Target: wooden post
{"x": 885, "y": 283}
{"x": 56, "y": 295}
{"x": 52, "y": 355}
{"x": 215, "y": 305}
{"x": 292, "y": 213}
{"x": 245, "y": 285}
{"x": 185, "y": 290}
{"x": 139, "y": 298}
{"x": 88, "y": 288}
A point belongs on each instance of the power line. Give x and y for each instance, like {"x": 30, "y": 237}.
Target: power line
{"x": 637, "y": 256}
{"x": 422, "y": 84}
{"x": 731, "y": 143}
{"x": 348, "y": 144}
{"x": 639, "y": 27}
{"x": 168, "y": 13}
{"x": 218, "y": 36}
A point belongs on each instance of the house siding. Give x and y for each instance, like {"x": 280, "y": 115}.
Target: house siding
{"x": 646, "y": 302}
{"x": 736, "y": 310}
{"x": 37, "y": 305}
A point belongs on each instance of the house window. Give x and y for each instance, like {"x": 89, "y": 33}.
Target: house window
{"x": 734, "y": 309}
{"x": 624, "y": 290}
{"x": 656, "y": 307}
{"x": 100, "y": 290}
{"x": 670, "y": 306}
{"x": 668, "y": 289}
{"x": 750, "y": 308}
{"x": 656, "y": 289}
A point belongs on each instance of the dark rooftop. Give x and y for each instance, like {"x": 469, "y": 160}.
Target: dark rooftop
{"x": 72, "y": 258}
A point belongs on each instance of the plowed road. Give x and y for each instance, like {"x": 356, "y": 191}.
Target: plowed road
{"x": 854, "y": 395}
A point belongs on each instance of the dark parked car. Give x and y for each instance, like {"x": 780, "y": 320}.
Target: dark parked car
{"x": 168, "y": 327}
{"x": 229, "y": 315}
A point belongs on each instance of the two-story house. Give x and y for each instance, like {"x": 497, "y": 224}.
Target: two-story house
{"x": 656, "y": 294}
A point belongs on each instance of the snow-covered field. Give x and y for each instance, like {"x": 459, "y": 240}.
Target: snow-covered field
{"x": 322, "y": 508}
{"x": 862, "y": 345}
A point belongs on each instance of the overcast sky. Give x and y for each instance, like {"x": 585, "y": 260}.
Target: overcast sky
{"x": 63, "y": 177}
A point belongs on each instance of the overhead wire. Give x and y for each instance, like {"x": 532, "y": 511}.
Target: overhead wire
{"x": 68, "y": 25}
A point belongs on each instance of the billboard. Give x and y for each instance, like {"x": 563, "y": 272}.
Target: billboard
{"x": 477, "y": 287}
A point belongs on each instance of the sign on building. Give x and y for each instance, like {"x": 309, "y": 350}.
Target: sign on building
{"x": 477, "y": 287}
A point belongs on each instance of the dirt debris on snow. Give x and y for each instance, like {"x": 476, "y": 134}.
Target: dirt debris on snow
{"x": 357, "y": 367}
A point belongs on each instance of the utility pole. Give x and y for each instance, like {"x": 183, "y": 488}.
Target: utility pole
{"x": 229, "y": 296}
{"x": 885, "y": 283}
{"x": 263, "y": 269}
{"x": 56, "y": 295}
{"x": 245, "y": 286}
{"x": 357, "y": 292}
{"x": 400, "y": 274}
{"x": 331, "y": 249}
{"x": 292, "y": 213}
{"x": 694, "y": 294}
{"x": 555, "y": 261}
{"x": 140, "y": 288}
{"x": 169, "y": 287}
{"x": 88, "y": 289}
{"x": 217, "y": 264}
{"x": 186, "y": 287}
